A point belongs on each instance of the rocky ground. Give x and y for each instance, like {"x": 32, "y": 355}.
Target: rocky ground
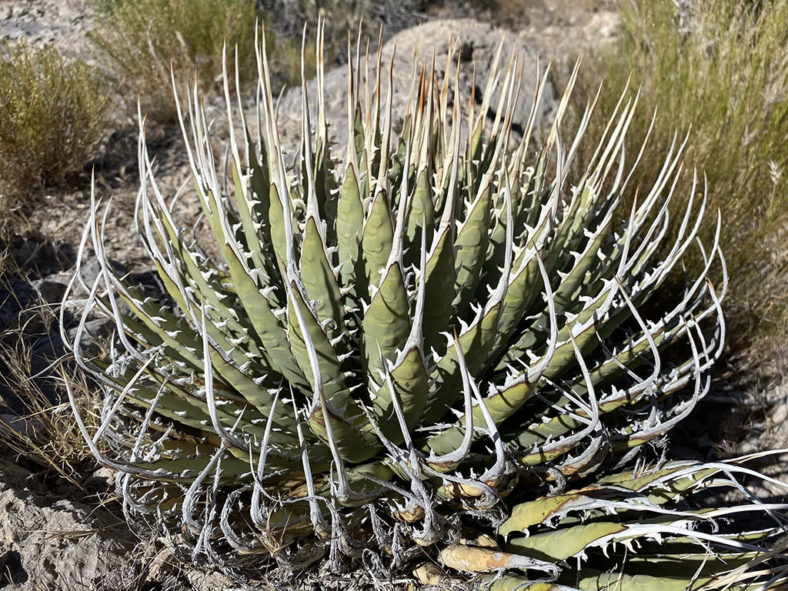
{"x": 56, "y": 534}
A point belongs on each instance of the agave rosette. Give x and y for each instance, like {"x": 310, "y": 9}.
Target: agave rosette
{"x": 388, "y": 348}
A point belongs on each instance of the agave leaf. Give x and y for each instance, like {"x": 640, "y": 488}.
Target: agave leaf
{"x": 566, "y": 542}
{"x": 260, "y": 208}
{"x": 411, "y": 383}
{"x": 186, "y": 468}
{"x": 165, "y": 326}
{"x": 591, "y": 581}
{"x": 440, "y": 278}
{"x": 567, "y": 292}
{"x": 498, "y": 245}
{"x": 521, "y": 294}
{"x": 173, "y": 403}
{"x": 515, "y": 583}
{"x": 386, "y": 324}
{"x": 267, "y": 326}
{"x": 350, "y": 219}
{"x": 684, "y": 565}
{"x": 421, "y": 214}
{"x": 326, "y": 189}
{"x": 339, "y": 408}
{"x": 252, "y": 241}
{"x": 471, "y": 246}
{"x": 376, "y": 243}
{"x": 224, "y": 337}
{"x": 276, "y": 214}
{"x": 477, "y": 341}
{"x": 518, "y": 387}
{"x": 319, "y": 280}
{"x": 596, "y": 500}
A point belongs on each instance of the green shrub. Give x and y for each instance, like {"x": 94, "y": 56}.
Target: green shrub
{"x": 52, "y": 114}
{"x": 718, "y": 70}
{"x": 145, "y": 38}
{"x": 394, "y": 337}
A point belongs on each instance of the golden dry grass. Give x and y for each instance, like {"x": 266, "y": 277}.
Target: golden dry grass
{"x": 720, "y": 73}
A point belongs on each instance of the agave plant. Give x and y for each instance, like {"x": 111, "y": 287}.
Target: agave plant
{"x": 426, "y": 347}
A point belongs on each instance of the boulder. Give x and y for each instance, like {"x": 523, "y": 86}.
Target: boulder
{"x": 476, "y": 44}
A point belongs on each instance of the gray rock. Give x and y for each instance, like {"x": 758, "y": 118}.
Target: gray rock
{"x": 54, "y": 544}
{"x": 41, "y": 22}
{"x": 476, "y": 43}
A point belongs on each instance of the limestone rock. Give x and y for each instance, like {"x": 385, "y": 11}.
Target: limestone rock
{"x": 54, "y": 543}
{"x": 476, "y": 44}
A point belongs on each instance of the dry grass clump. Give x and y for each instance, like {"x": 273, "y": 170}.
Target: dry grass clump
{"x": 717, "y": 69}
{"x": 144, "y": 38}
{"x": 52, "y": 115}
{"x": 37, "y": 421}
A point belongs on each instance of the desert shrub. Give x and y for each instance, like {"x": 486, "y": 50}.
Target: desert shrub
{"x": 717, "y": 69}
{"x": 145, "y": 38}
{"x": 52, "y": 115}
